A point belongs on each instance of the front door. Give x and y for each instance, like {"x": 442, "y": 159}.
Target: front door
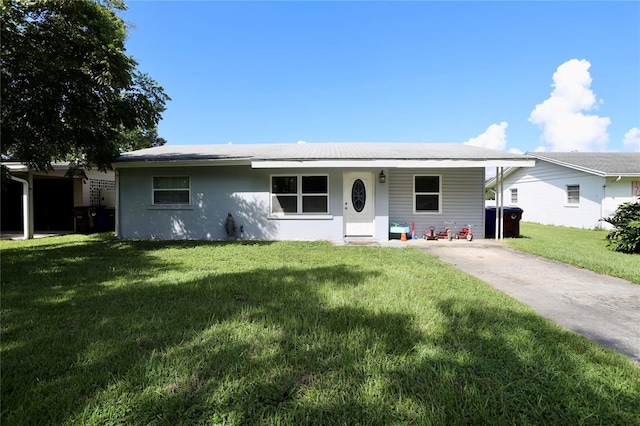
{"x": 359, "y": 204}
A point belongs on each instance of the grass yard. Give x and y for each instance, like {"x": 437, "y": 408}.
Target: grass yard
{"x": 585, "y": 248}
{"x": 99, "y": 331}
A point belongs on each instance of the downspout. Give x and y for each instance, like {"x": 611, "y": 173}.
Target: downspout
{"x": 117, "y": 213}
{"x": 604, "y": 195}
{"x": 26, "y": 223}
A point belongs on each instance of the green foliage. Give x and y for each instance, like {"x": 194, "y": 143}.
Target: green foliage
{"x": 625, "y": 237}
{"x": 102, "y": 331}
{"x": 489, "y": 194}
{"x": 131, "y": 140}
{"x": 69, "y": 90}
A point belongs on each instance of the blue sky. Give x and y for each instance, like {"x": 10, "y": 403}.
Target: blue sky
{"x": 521, "y": 76}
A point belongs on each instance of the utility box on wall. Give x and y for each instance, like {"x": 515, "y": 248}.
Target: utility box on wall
{"x": 108, "y": 198}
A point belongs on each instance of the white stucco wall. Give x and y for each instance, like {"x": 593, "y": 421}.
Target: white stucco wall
{"x": 239, "y": 190}
{"x": 244, "y": 192}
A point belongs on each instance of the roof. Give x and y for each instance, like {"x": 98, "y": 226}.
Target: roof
{"x": 324, "y": 155}
{"x": 16, "y": 166}
{"x": 597, "y": 163}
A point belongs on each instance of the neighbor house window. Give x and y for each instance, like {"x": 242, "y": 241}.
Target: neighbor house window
{"x": 296, "y": 194}
{"x": 171, "y": 190}
{"x": 514, "y": 195}
{"x": 427, "y": 193}
{"x": 573, "y": 194}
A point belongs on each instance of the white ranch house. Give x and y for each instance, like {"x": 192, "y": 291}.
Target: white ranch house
{"x": 304, "y": 191}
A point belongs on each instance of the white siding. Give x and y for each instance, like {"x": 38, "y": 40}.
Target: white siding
{"x": 615, "y": 193}
{"x": 462, "y": 199}
{"x": 542, "y": 195}
{"x": 244, "y": 192}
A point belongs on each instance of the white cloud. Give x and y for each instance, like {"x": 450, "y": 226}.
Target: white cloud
{"x": 495, "y": 137}
{"x": 631, "y": 141}
{"x": 564, "y": 125}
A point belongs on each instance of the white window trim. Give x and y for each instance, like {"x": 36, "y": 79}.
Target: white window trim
{"x": 439, "y": 194}
{"x": 299, "y": 194}
{"x": 161, "y": 206}
{"x": 566, "y": 195}
{"x": 513, "y": 191}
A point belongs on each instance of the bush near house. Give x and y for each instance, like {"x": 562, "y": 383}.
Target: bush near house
{"x": 626, "y": 235}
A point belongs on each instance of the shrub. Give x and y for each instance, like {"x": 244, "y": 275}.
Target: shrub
{"x": 625, "y": 237}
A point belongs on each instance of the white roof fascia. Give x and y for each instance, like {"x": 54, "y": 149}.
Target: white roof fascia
{"x": 585, "y": 169}
{"x": 569, "y": 165}
{"x": 581, "y": 168}
{"x": 16, "y": 167}
{"x": 492, "y": 182}
{"x": 179, "y": 163}
{"x": 400, "y": 164}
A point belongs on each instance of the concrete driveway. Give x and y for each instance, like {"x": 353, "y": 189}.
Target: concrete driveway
{"x": 599, "y": 307}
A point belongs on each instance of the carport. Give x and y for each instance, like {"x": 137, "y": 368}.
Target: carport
{"x": 43, "y": 202}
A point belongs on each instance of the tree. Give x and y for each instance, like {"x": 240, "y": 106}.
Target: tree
{"x": 131, "y": 140}
{"x": 625, "y": 237}
{"x": 69, "y": 90}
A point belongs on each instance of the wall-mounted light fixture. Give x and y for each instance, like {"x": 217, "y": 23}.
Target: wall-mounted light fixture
{"x": 382, "y": 178}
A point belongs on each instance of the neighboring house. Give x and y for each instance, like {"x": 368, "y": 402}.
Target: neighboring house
{"x": 574, "y": 189}
{"x": 303, "y": 191}
{"x": 49, "y": 201}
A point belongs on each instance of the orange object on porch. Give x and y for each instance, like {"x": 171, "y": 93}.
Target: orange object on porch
{"x": 403, "y": 236}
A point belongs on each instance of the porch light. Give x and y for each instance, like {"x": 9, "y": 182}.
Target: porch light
{"x": 382, "y": 178}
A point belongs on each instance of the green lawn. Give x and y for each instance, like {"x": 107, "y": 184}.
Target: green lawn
{"x": 585, "y": 248}
{"x": 115, "y": 332}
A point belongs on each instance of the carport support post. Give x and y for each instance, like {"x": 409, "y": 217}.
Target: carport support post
{"x": 499, "y": 229}
{"x": 499, "y": 212}
{"x": 117, "y": 209}
{"x": 27, "y": 201}
{"x": 31, "y": 209}
{"x": 495, "y": 219}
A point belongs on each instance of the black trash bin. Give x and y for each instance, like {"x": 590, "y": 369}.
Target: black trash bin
{"x": 490, "y": 221}
{"x": 85, "y": 219}
{"x": 511, "y": 217}
{"x": 101, "y": 218}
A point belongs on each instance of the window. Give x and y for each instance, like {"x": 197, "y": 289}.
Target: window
{"x": 573, "y": 194}
{"x": 514, "y": 195}
{"x": 171, "y": 190}
{"x": 295, "y": 194}
{"x": 427, "y": 194}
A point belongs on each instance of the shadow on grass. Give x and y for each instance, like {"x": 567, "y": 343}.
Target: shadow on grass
{"x": 531, "y": 372}
{"x": 67, "y": 337}
{"x": 272, "y": 344}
